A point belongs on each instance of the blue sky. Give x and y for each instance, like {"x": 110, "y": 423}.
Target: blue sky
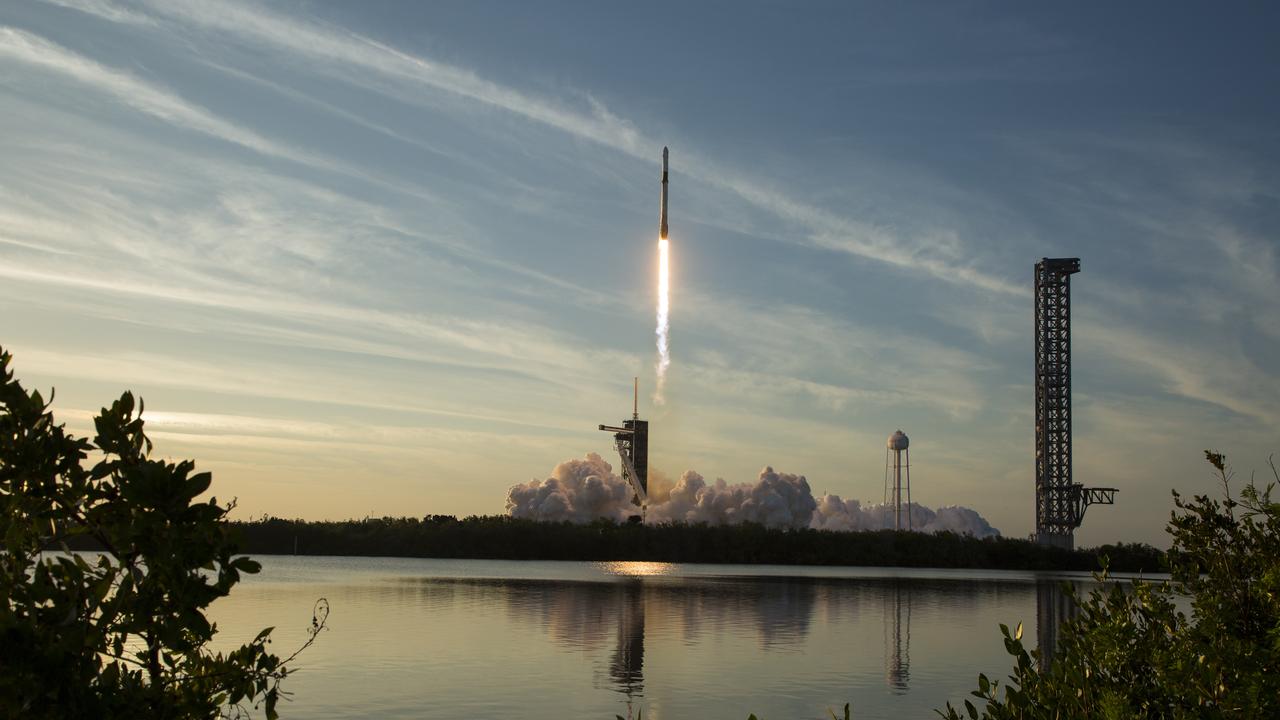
{"x": 393, "y": 258}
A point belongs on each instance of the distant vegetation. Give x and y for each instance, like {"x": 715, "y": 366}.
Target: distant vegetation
{"x": 501, "y": 537}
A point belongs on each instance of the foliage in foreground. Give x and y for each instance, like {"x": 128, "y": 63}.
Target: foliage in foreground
{"x": 122, "y": 635}
{"x": 1132, "y": 653}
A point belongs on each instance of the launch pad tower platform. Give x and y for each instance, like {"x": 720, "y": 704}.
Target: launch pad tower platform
{"x": 1060, "y": 501}
{"x": 632, "y": 442}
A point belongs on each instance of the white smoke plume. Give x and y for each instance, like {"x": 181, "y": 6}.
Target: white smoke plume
{"x": 833, "y": 513}
{"x": 776, "y": 500}
{"x": 578, "y": 490}
{"x": 582, "y": 490}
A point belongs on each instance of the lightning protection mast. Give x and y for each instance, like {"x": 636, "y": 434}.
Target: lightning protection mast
{"x": 1060, "y": 501}
{"x": 632, "y": 442}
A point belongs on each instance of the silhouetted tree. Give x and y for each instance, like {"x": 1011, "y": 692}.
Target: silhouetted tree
{"x": 122, "y": 634}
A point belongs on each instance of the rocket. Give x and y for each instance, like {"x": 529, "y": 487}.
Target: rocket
{"x": 662, "y": 222}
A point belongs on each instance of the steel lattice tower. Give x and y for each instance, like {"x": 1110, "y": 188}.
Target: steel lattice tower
{"x": 632, "y": 441}
{"x": 1060, "y": 501}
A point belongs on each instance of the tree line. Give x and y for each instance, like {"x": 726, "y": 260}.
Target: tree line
{"x": 507, "y": 538}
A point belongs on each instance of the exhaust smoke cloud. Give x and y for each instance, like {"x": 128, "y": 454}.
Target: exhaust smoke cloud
{"x": 834, "y": 513}
{"x": 776, "y": 499}
{"x": 578, "y": 490}
{"x": 581, "y": 490}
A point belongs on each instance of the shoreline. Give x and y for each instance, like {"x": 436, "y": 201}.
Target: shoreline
{"x": 505, "y": 538}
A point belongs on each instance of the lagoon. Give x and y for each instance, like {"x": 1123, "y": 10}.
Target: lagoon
{"x": 422, "y": 638}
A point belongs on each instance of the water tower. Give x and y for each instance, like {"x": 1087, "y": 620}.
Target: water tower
{"x": 897, "y": 478}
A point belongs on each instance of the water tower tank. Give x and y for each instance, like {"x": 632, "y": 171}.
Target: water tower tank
{"x": 898, "y": 441}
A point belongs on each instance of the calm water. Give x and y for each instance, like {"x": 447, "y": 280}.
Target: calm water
{"x": 495, "y": 639}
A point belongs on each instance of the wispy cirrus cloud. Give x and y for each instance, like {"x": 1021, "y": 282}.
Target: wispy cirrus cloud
{"x": 353, "y": 57}
{"x": 150, "y": 99}
{"x": 486, "y": 338}
{"x": 270, "y": 380}
{"x": 30, "y": 49}
{"x": 107, "y": 11}
{"x": 1196, "y": 368}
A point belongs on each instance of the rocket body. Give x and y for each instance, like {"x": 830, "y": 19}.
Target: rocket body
{"x": 664, "y": 290}
{"x": 662, "y": 221}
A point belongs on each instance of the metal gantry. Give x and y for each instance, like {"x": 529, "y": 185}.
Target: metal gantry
{"x": 1060, "y": 501}
{"x": 632, "y": 442}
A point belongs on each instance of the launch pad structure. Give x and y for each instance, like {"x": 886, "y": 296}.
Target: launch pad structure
{"x": 632, "y": 442}
{"x": 1060, "y": 501}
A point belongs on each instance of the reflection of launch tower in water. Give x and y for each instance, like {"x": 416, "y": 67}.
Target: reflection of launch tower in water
{"x": 1053, "y": 607}
{"x": 897, "y": 636}
{"x": 627, "y": 666}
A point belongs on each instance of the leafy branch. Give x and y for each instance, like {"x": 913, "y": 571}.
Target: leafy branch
{"x": 70, "y": 626}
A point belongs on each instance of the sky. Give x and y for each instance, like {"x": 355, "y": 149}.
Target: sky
{"x": 392, "y": 258}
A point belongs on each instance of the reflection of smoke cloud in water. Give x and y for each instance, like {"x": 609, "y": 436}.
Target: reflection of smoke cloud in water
{"x": 584, "y": 616}
{"x": 609, "y": 627}
{"x": 582, "y": 490}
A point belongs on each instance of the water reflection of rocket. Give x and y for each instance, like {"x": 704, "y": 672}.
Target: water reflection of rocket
{"x": 662, "y": 222}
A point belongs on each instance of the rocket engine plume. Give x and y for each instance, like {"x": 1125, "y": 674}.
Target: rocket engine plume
{"x": 664, "y": 319}
{"x": 664, "y": 291}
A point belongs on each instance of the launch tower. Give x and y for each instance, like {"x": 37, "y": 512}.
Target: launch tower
{"x": 1060, "y": 501}
{"x": 632, "y": 441}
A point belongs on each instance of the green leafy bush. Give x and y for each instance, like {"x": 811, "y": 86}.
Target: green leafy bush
{"x": 1133, "y": 653}
{"x": 122, "y": 634}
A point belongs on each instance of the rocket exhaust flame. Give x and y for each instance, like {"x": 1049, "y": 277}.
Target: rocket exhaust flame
{"x": 664, "y": 319}
{"x": 664, "y": 291}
